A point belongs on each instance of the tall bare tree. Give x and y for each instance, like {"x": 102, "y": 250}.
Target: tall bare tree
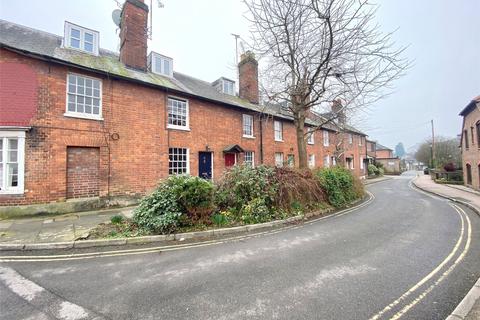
{"x": 320, "y": 51}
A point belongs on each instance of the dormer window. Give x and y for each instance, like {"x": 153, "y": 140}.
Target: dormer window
{"x": 225, "y": 85}
{"x": 81, "y": 38}
{"x": 228, "y": 87}
{"x": 161, "y": 64}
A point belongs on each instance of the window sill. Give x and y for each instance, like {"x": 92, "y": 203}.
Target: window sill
{"x": 178, "y": 128}
{"x": 311, "y": 143}
{"x": 82, "y": 116}
{"x": 11, "y": 192}
{"x": 278, "y": 140}
{"x": 248, "y": 137}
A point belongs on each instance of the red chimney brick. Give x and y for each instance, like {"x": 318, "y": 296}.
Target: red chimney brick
{"x": 248, "y": 77}
{"x": 133, "y": 34}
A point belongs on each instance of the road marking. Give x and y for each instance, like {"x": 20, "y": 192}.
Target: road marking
{"x": 433, "y": 272}
{"x": 40, "y": 298}
{"x": 126, "y": 252}
{"x": 444, "y": 275}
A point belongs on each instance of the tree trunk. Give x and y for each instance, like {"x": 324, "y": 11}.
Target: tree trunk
{"x": 299, "y": 121}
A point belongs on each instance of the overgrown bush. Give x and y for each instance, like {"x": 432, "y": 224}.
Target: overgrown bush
{"x": 190, "y": 198}
{"x": 297, "y": 189}
{"x": 340, "y": 184}
{"x": 381, "y": 171}
{"x": 372, "y": 170}
{"x": 449, "y": 167}
{"x": 242, "y": 184}
{"x": 256, "y": 211}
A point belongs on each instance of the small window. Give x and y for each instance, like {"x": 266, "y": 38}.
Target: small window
{"x": 361, "y": 163}
{"x": 478, "y": 134}
{"x": 161, "y": 64}
{"x": 80, "y": 38}
{"x": 247, "y": 125}
{"x": 12, "y": 157}
{"x": 177, "y": 114}
{"x": 228, "y": 87}
{"x": 249, "y": 158}
{"x": 279, "y": 159}
{"x": 326, "y": 138}
{"x": 473, "y": 137}
{"x": 326, "y": 161}
{"x": 311, "y": 161}
{"x": 291, "y": 160}
{"x": 84, "y": 97}
{"x": 311, "y": 136}
{"x": 360, "y": 141}
{"x": 350, "y": 163}
{"x": 334, "y": 161}
{"x": 278, "y": 127}
{"x": 178, "y": 161}
{"x": 350, "y": 138}
{"x": 465, "y": 137}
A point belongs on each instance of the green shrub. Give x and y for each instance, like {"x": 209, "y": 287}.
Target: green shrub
{"x": 242, "y": 184}
{"x": 381, "y": 171}
{"x": 372, "y": 170}
{"x": 255, "y": 211}
{"x": 341, "y": 186}
{"x": 116, "y": 219}
{"x": 219, "y": 219}
{"x": 177, "y": 200}
{"x": 159, "y": 212}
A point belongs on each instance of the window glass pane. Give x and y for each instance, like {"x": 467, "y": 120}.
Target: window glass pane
{"x": 88, "y": 37}
{"x": 96, "y": 84}
{"x": 12, "y": 144}
{"x": 12, "y": 175}
{"x": 75, "y": 33}
{"x": 166, "y": 67}
{"x": 1, "y": 153}
{"x": 88, "y": 108}
{"x": 71, "y": 88}
{"x": 96, "y": 93}
{"x": 88, "y": 47}
{"x": 75, "y": 43}
{"x": 72, "y": 79}
{"x": 96, "y": 110}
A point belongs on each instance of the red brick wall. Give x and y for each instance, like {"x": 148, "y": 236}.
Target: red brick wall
{"x": 383, "y": 154}
{"x": 83, "y": 178}
{"x": 133, "y": 164}
{"x": 248, "y": 76}
{"x": 18, "y": 94}
{"x": 133, "y": 35}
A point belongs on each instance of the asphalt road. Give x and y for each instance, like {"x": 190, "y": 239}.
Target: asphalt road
{"x": 405, "y": 255}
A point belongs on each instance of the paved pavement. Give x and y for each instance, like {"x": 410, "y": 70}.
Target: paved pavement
{"x": 62, "y": 228}
{"x": 456, "y": 192}
{"x": 405, "y": 255}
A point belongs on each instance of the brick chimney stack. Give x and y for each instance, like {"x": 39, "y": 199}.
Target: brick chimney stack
{"x": 339, "y": 111}
{"x": 133, "y": 34}
{"x": 248, "y": 77}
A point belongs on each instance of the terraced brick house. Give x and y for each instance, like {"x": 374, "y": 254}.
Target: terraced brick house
{"x": 78, "y": 121}
{"x": 471, "y": 144}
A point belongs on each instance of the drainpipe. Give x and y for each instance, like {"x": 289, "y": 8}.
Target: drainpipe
{"x": 261, "y": 138}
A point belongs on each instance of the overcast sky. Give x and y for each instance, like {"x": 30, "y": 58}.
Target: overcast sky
{"x": 443, "y": 38}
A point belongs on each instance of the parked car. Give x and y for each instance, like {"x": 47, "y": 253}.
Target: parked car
{"x": 426, "y": 170}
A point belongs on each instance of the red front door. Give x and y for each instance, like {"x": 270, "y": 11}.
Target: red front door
{"x": 229, "y": 159}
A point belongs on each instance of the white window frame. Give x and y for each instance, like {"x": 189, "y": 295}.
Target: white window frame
{"x": 278, "y": 130}
{"x": 244, "y": 117}
{"x": 311, "y": 161}
{"x": 326, "y": 138}
{"x": 187, "y": 114}
{"x": 362, "y": 165}
{"x": 187, "y": 164}
{"x": 249, "y": 162}
{"x": 68, "y": 36}
{"x": 277, "y": 163}
{"x": 334, "y": 161}
{"x": 84, "y": 115}
{"x": 360, "y": 141}
{"x": 228, "y": 87}
{"x": 326, "y": 164}
{"x": 350, "y": 138}
{"x": 291, "y": 165}
{"x": 156, "y": 58}
{"x": 20, "y": 136}
{"x": 311, "y": 136}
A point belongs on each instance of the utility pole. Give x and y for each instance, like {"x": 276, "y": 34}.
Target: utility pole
{"x": 433, "y": 145}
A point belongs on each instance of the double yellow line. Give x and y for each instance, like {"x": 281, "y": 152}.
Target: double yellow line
{"x": 418, "y": 295}
{"x": 158, "y": 249}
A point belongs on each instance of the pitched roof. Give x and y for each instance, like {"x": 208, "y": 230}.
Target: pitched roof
{"x": 382, "y": 147}
{"x": 49, "y": 46}
{"x": 469, "y": 108}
